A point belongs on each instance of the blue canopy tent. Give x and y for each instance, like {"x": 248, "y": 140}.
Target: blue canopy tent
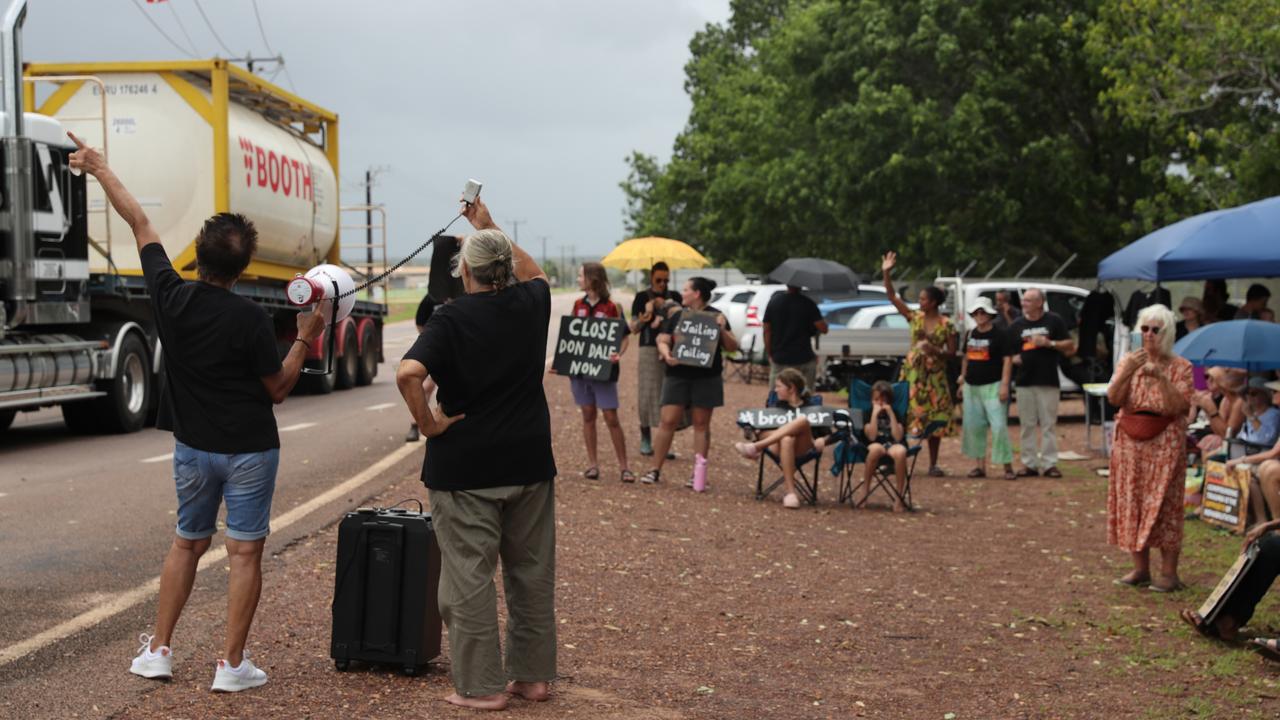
{"x": 1237, "y": 242}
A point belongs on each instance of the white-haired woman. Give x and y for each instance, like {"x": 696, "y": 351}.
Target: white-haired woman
{"x": 1153, "y": 388}
{"x": 489, "y": 467}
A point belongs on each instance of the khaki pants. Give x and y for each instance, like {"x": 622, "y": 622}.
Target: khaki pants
{"x": 475, "y": 528}
{"x": 809, "y": 370}
{"x": 1038, "y": 409}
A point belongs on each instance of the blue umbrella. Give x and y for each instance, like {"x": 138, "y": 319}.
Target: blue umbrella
{"x": 1250, "y": 344}
{"x": 1237, "y": 242}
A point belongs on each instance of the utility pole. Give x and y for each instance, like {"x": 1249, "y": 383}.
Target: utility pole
{"x": 543, "y": 238}
{"x": 369, "y": 175}
{"x": 515, "y": 230}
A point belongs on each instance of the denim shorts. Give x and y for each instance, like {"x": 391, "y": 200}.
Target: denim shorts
{"x": 204, "y": 479}
{"x": 598, "y": 393}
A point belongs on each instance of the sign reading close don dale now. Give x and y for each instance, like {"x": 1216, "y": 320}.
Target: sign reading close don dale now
{"x": 584, "y": 346}
{"x": 695, "y": 338}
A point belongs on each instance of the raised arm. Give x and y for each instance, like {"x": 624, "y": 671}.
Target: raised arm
{"x": 886, "y": 267}
{"x": 91, "y": 161}
{"x": 477, "y": 213}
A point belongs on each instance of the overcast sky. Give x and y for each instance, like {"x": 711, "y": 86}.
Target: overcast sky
{"x": 542, "y": 100}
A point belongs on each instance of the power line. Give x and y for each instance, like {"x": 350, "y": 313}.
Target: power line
{"x": 209, "y": 25}
{"x": 263, "y": 32}
{"x": 183, "y": 28}
{"x": 161, "y": 30}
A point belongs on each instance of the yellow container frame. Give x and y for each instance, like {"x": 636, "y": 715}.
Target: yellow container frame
{"x": 226, "y": 83}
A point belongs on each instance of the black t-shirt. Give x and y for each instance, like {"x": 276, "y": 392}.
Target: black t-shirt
{"x": 690, "y": 371}
{"x": 648, "y": 335}
{"x": 790, "y": 317}
{"x": 985, "y": 352}
{"x": 486, "y": 353}
{"x": 1039, "y": 365}
{"x": 217, "y": 348}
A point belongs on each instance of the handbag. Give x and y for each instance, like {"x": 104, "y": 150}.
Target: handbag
{"x": 1143, "y": 426}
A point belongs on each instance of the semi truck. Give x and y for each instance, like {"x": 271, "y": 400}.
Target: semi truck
{"x": 189, "y": 139}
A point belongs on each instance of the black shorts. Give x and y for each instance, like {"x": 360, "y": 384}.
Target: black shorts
{"x": 704, "y": 392}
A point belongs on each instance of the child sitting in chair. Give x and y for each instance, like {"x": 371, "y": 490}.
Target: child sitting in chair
{"x": 885, "y": 435}
{"x": 795, "y": 439}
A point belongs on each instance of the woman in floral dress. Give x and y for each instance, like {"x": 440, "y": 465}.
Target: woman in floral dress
{"x": 1153, "y": 389}
{"x": 933, "y": 341}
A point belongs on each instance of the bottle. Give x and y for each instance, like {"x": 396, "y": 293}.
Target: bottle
{"x": 699, "y": 473}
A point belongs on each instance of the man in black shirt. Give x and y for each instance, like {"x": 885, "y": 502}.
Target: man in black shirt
{"x": 790, "y": 321}
{"x": 1041, "y": 338}
{"x": 222, "y": 375}
{"x": 648, "y": 311}
{"x": 1255, "y": 301}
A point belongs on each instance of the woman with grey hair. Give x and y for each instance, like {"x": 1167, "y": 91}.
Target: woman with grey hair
{"x": 1153, "y": 388}
{"x": 489, "y": 466}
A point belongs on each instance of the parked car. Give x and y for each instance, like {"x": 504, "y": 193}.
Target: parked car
{"x": 840, "y": 313}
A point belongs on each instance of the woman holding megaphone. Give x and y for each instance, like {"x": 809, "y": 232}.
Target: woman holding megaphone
{"x": 489, "y": 466}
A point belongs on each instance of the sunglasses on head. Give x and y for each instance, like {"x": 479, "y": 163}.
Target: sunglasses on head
{"x": 1152, "y": 329}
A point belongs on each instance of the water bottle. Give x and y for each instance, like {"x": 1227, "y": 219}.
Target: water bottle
{"x": 699, "y": 473}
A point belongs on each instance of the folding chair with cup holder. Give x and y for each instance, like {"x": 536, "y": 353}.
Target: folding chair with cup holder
{"x": 742, "y": 363}
{"x": 806, "y": 485}
{"x": 882, "y": 477}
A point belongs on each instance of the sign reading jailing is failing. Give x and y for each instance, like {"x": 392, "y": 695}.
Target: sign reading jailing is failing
{"x": 584, "y": 346}
{"x": 696, "y": 337}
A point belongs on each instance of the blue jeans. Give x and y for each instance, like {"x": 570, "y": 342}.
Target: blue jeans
{"x": 203, "y": 479}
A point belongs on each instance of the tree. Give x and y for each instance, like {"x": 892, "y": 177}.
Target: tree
{"x": 947, "y": 130}
{"x": 1205, "y": 78}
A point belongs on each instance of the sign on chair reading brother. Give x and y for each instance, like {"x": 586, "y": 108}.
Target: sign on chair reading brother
{"x": 584, "y": 346}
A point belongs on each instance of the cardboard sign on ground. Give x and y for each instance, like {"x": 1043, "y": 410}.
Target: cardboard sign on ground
{"x": 695, "y": 339}
{"x": 584, "y": 346}
{"x": 1226, "y": 496}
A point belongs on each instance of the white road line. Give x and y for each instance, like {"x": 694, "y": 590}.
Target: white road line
{"x": 380, "y": 406}
{"x": 158, "y": 458}
{"x": 125, "y": 600}
{"x": 4, "y": 494}
{"x": 297, "y": 426}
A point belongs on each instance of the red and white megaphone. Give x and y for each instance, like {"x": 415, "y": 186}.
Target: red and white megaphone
{"x": 320, "y": 285}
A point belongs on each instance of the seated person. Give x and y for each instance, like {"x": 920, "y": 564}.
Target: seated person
{"x": 885, "y": 436}
{"x": 1240, "y": 606}
{"x": 1264, "y": 485}
{"x": 1225, "y": 415}
{"x": 794, "y": 439}
{"x": 1262, "y": 419}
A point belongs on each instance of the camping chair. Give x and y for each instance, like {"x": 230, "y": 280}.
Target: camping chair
{"x": 806, "y": 485}
{"x": 882, "y": 478}
{"x": 742, "y": 363}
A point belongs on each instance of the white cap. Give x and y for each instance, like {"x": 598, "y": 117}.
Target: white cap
{"x": 983, "y": 304}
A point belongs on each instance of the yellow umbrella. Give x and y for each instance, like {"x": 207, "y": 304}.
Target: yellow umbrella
{"x": 642, "y": 253}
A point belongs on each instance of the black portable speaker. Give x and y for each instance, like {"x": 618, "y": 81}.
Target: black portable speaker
{"x": 384, "y": 595}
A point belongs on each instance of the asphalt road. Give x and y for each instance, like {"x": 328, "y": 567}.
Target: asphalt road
{"x": 87, "y": 519}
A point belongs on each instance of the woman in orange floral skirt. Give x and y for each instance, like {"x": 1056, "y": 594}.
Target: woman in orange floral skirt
{"x": 1153, "y": 388}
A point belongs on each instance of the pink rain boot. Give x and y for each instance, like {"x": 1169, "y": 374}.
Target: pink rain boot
{"x": 699, "y": 473}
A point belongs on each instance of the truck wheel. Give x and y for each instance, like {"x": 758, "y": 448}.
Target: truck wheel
{"x": 368, "y": 356}
{"x": 347, "y": 366}
{"x": 124, "y": 409}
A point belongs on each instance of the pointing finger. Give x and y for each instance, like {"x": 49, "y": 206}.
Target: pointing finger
{"x": 79, "y": 143}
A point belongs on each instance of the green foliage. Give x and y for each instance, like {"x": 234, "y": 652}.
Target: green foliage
{"x": 948, "y": 130}
{"x": 1203, "y": 76}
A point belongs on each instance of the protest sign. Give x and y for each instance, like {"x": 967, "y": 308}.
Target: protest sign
{"x": 1226, "y": 495}
{"x": 584, "y": 346}
{"x": 774, "y": 417}
{"x": 1217, "y": 600}
{"x": 695, "y": 339}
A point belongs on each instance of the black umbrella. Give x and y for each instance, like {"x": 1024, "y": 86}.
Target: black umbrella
{"x": 815, "y": 274}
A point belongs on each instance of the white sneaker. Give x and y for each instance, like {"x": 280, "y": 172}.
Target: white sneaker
{"x": 156, "y": 665}
{"x": 229, "y": 679}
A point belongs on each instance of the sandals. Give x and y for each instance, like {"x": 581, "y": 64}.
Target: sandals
{"x": 1267, "y": 647}
{"x": 591, "y": 473}
{"x": 1053, "y": 472}
{"x": 1010, "y": 475}
{"x": 651, "y": 477}
{"x": 1028, "y": 472}
{"x": 1198, "y": 624}
{"x": 1133, "y": 583}
{"x": 1162, "y": 589}
{"x": 977, "y": 473}
{"x": 628, "y": 476}
{"x": 791, "y": 501}
{"x": 936, "y": 471}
